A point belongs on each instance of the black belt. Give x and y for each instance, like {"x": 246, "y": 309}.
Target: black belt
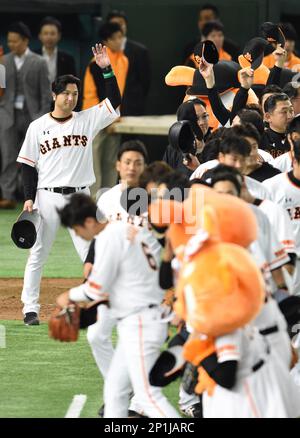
{"x": 269, "y": 330}
{"x": 64, "y": 190}
{"x": 258, "y": 365}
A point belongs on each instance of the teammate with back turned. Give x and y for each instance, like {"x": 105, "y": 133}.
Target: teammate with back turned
{"x": 57, "y": 161}
{"x": 134, "y": 298}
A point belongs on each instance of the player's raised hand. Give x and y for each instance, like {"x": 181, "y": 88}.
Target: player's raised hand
{"x": 246, "y": 77}
{"x": 101, "y": 56}
{"x": 207, "y": 71}
{"x": 280, "y": 56}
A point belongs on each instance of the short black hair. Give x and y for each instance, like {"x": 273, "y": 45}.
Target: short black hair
{"x": 254, "y": 107}
{"x": 272, "y": 88}
{"x": 288, "y": 31}
{"x": 212, "y": 146}
{"x": 296, "y": 150}
{"x": 291, "y": 89}
{"x": 271, "y": 102}
{"x": 52, "y": 21}
{"x": 107, "y": 30}
{"x": 79, "y": 208}
{"x": 199, "y": 181}
{"x": 177, "y": 180}
{"x": 294, "y": 125}
{"x": 210, "y": 26}
{"x": 135, "y": 146}
{"x": 253, "y": 117}
{"x": 246, "y": 130}
{"x": 155, "y": 172}
{"x": 227, "y": 173}
{"x": 211, "y": 149}
{"x": 116, "y": 13}
{"x": 60, "y": 84}
{"x": 21, "y": 28}
{"x": 210, "y": 7}
{"x": 232, "y": 144}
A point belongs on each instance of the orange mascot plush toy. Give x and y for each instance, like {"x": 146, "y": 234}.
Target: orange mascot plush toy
{"x": 219, "y": 291}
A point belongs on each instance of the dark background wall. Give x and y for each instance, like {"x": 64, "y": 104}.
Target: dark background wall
{"x": 164, "y": 26}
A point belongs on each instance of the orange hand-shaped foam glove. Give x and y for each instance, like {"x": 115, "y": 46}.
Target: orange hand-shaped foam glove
{"x": 205, "y": 382}
{"x": 195, "y": 350}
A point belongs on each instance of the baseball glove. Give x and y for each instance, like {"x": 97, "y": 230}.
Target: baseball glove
{"x": 64, "y": 323}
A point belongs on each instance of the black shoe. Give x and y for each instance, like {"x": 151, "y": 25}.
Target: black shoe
{"x": 194, "y": 411}
{"x": 134, "y": 414}
{"x": 31, "y": 318}
{"x": 101, "y": 412}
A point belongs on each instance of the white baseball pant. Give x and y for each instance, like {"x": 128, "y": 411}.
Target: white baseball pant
{"x": 46, "y": 202}
{"x": 99, "y": 336}
{"x": 140, "y": 337}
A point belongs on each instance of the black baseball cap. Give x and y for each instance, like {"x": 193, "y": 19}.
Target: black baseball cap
{"x": 207, "y": 50}
{"x": 253, "y": 52}
{"x": 272, "y": 33}
{"x": 24, "y": 230}
{"x": 181, "y": 136}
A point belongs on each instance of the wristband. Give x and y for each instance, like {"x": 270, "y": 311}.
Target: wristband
{"x": 108, "y": 72}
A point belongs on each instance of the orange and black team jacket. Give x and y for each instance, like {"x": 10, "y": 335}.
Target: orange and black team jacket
{"x": 94, "y": 82}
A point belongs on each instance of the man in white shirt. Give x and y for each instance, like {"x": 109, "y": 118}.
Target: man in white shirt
{"x": 233, "y": 152}
{"x": 130, "y": 164}
{"x": 57, "y": 161}
{"x": 285, "y": 190}
{"x": 284, "y": 161}
{"x": 134, "y": 298}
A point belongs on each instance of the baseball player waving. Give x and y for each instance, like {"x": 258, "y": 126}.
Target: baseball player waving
{"x": 57, "y": 161}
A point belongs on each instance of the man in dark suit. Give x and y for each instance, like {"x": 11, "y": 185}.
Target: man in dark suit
{"x": 206, "y": 13}
{"x": 26, "y": 97}
{"x": 139, "y": 73}
{"x": 59, "y": 63}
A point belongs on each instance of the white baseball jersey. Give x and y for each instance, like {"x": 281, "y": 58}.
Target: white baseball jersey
{"x": 270, "y": 315}
{"x": 125, "y": 268}
{"x": 109, "y": 204}
{"x": 263, "y": 389}
{"x": 285, "y": 193}
{"x": 284, "y": 162}
{"x": 62, "y": 151}
{"x": 270, "y": 252}
{"x": 255, "y": 188}
{"x": 266, "y": 156}
{"x": 204, "y": 167}
{"x": 280, "y": 222}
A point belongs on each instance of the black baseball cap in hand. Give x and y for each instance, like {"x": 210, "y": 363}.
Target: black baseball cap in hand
{"x": 24, "y": 230}
{"x": 181, "y": 137}
{"x": 208, "y": 51}
{"x": 272, "y": 33}
{"x": 253, "y": 53}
